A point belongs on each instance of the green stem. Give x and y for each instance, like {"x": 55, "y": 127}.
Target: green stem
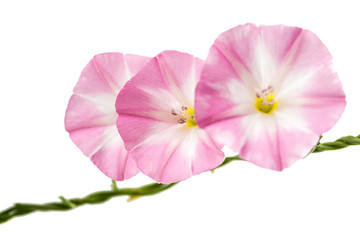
{"x": 20, "y": 209}
{"x": 338, "y": 144}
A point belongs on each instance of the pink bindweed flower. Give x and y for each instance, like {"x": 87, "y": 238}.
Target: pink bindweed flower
{"x": 268, "y": 93}
{"x": 91, "y": 116}
{"x": 157, "y": 120}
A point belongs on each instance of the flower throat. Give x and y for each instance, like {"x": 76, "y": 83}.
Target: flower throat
{"x": 265, "y": 102}
{"x": 186, "y": 116}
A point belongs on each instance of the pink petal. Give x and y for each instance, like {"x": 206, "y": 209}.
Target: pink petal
{"x": 164, "y": 149}
{"x": 246, "y": 59}
{"x": 277, "y": 148}
{"x": 168, "y": 81}
{"x": 221, "y": 94}
{"x": 175, "y": 155}
{"x": 91, "y": 117}
{"x": 106, "y": 149}
{"x": 137, "y": 129}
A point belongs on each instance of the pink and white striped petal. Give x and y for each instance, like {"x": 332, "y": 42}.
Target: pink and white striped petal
{"x": 150, "y": 107}
{"x": 245, "y": 65}
{"x": 177, "y": 157}
{"x": 91, "y": 116}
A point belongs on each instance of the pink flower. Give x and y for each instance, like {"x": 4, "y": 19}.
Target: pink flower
{"x": 157, "y": 120}
{"x": 268, "y": 93}
{"x": 91, "y": 116}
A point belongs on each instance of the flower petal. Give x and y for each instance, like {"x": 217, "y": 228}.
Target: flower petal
{"x": 176, "y": 154}
{"x": 274, "y": 147}
{"x": 164, "y": 149}
{"x": 91, "y": 117}
{"x": 167, "y": 82}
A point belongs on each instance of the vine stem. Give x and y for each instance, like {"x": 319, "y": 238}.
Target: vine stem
{"x": 342, "y": 142}
{"x": 20, "y": 209}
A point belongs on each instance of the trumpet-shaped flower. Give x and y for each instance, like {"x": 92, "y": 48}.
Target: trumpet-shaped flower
{"x": 268, "y": 93}
{"x": 91, "y": 115}
{"x": 157, "y": 120}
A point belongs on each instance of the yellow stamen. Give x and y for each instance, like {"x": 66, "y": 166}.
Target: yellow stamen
{"x": 266, "y": 104}
{"x": 190, "y": 111}
{"x": 190, "y": 119}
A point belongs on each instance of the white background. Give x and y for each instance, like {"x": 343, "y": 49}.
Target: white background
{"x": 43, "y": 47}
